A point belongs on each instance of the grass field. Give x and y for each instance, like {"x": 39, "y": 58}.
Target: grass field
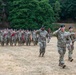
{"x": 24, "y": 60}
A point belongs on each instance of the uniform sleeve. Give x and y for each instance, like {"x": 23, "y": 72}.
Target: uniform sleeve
{"x": 38, "y": 31}
{"x": 74, "y": 37}
{"x": 70, "y": 40}
{"x": 47, "y": 34}
{"x": 68, "y": 34}
{"x": 55, "y": 33}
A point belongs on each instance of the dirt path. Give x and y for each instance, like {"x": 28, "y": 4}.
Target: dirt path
{"x": 24, "y": 60}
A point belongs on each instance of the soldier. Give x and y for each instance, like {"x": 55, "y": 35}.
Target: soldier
{"x": 6, "y": 36}
{"x": 28, "y": 37}
{"x": 70, "y": 44}
{"x": 20, "y": 37}
{"x": 2, "y": 37}
{"x": 34, "y": 37}
{"x": 42, "y": 40}
{"x": 13, "y": 38}
{"x": 49, "y": 35}
{"x": 23, "y": 37}
{"x": 61, "y": 44}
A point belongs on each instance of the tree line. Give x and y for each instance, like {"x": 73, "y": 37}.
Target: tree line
{"x": 32, "y": 14}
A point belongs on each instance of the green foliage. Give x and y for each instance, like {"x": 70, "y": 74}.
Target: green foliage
{"x": 57, "y": 10}
{"x": 54, "y": 26}
{"x": 30, "y": 14}
{"x": 68, "y": 9}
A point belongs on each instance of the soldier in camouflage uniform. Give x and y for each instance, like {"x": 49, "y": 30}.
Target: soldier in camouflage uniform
{"x": 61, "y": 36}
{"x": 20, "y": 37}
{"x": 34, "y": 37}
{"x": 49, "y": 35}
{"x": 70, "y": 44}
{"x": 0, "y": 36}
{"x": 13, "y": 38}
{"x": 28, "y": 37}
{"x": 42, "y": 40}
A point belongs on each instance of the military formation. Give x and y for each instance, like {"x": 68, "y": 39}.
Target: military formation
{"x": 17, "y": 37}
{"x": 21, "y": 37}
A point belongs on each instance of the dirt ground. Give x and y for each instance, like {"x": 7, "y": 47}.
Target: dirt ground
{"x": 24, "y": 60}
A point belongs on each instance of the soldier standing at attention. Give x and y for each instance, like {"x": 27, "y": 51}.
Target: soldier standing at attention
{"x": 34, "y": 37}
{"x": 49, "y": 35}
{"x": 28, "y": 37}
{"x": 42, "y": 40}
{"x": 70, "y": 46}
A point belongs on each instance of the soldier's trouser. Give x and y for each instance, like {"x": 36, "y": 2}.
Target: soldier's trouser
{"x": 28, "y": 41}
{"x": 34, "y": 41}
{"x": 2, "y": 41}
{"x": 61, "y": 51}
{"x": 42, "y": 48}
{"x": 19, "y": 41}
{"x": 48, "y": 39}
{"x": 70, "y": 51}
{"x": 6, "y": 40}
{"x": 11, "y": 41}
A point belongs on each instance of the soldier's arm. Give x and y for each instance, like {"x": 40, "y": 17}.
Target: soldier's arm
{"x": 70, "y": 40}
{"x": 38, "y": 31}
{"x": 56, "y": 32}
{"x": 68, "y": 34}
{"x": 74, "y": 37}
{"x": 47, "y": 34}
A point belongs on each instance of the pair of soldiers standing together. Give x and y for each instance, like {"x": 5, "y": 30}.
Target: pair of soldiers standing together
{"x": 65, "y": 40}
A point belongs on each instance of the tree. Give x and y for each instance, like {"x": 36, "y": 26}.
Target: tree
{"x": 57, "y": 10}
{"x": 68, "y": 9}
{"x": 30, "y": 14}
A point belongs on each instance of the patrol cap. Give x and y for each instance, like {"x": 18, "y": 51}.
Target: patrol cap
{"x": 43, "y": 26}
{"x": 62, "y": 26}
{"x": 70, "y": 27}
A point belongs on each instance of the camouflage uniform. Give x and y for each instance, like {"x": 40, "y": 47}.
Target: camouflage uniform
{"x": 19, "y": 37}
{"x": 70, "y": 46}
{"x": 28, "y": 37}
{"x": 42, "y": 41}
{"x": 49, "y": 37}
{"x": 34, "y": 37}
{"x": 2, "y": 38}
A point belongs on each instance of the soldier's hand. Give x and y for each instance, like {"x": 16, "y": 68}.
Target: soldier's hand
{"x": 59, "y": 29}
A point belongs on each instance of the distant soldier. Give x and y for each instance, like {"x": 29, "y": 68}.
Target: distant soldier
{"x": 23, "y": 37}
{"x": 49, "y": 35}
{"x": 34, "y": 37}
{"x": 13, "y": 38}
{"x": 70, "y": 44}
{"x": 28, "y": 37}
{"x": 42, "y": 40}
{"x": 61, "y": 36}
{"x": 20, "y": 37}
{"x": 2, "y": 37}
{"x": 6, "y": 36}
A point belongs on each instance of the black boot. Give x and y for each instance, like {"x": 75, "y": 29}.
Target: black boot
{"x": 70, "y": 59}
{"x": 62, "y": 65}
